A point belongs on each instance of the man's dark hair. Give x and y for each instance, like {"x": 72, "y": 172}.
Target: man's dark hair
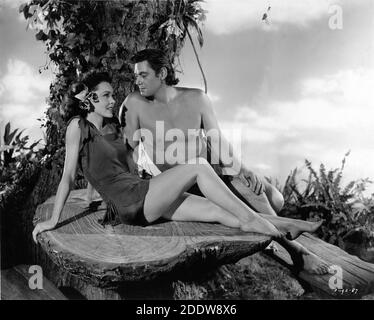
{"x": 157, "y": 59}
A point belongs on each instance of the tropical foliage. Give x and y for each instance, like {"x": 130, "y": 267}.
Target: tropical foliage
{"x": 15, "y": 154}
{"x": 79, "y": 36}
{"x": 17, "y": 158}
{"x": 103, "y": 35}
{"x": 323, "y": 196}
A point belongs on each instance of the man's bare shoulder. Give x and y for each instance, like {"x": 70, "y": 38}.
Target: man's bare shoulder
{"x": 134, "y": 102}
{"x": 135, "y": 97}
{"x": 191, "y": 92}
{"x": 194, "y": 96}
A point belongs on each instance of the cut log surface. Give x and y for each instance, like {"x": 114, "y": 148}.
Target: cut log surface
{"x": 105, "y": 256}
{"x": 351, "y": 277}
{"x": 15, "y": 286}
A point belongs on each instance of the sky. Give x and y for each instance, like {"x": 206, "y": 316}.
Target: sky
{"x": 296, "y": 87}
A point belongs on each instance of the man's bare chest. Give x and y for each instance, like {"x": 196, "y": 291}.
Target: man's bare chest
{"x": 182, "y": 117}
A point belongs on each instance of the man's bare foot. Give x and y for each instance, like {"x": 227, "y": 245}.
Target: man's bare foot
{"x": 259, "y": 225}
{"x": 314, "y": 264}
{"x": 309, "y": 262}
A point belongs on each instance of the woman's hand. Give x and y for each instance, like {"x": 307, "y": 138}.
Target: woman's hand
{"x": 42, "y": 226}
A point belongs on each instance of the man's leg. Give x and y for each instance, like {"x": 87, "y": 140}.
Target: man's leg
{"x": 260, "y": 203}
{"x": 271, "y": 202}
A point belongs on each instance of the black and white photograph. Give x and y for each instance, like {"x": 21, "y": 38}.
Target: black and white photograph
{"x": 190, "y": 156}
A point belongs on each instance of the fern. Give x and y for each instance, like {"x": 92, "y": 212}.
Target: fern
{"x": 325, "y": 196}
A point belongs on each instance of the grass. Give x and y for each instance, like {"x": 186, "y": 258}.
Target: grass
{"x": 257, "y": 277}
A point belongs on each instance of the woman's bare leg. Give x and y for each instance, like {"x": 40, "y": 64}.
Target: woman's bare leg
{"x": 301, "y": 256}
{"x": 189, "y": 207}
{"x": 287, "y": 225}
{"x": 269, "y": 203}
{"x": 166, "y": 189}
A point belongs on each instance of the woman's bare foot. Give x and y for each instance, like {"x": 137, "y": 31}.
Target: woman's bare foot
{"x": 259, "y": 225}
{"x": 294, "y": 230}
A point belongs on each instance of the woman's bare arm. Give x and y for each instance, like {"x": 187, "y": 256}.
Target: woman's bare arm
{"x": 70, "y": 166}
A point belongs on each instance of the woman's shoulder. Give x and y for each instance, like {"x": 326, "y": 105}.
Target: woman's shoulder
{"x": 78, "y": 126}
{"x": 73, "y": 126}
{"x": 74, "y": 121}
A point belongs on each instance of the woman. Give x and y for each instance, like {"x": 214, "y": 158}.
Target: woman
{"x": 107, "y": 164}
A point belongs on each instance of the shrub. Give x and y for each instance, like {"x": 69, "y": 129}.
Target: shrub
{"x": 15, "y": 157}
{"x": 323, "y": 197}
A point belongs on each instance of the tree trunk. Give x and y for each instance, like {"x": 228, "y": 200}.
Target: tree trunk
{"x": 127, "y": 24}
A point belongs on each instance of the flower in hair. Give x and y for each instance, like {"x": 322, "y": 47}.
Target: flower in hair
{"x": 83, "y": 97}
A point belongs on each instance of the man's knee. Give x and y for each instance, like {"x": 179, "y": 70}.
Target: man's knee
{"x": 274, "y": 196}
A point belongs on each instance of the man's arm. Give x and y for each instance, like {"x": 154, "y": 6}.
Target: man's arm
{"x": 221, "y": 149}
{"x": 130, "y": 117}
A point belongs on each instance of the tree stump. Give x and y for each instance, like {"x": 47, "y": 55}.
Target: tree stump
{"x": 15, "y": 286}
{"x": 115, "y": 262}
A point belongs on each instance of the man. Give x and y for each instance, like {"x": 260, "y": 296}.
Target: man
{"x": 170, "y": 118}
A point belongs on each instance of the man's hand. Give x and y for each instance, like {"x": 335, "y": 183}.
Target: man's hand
{"x": 89, "y": 195}
{"x": 94, "y": 196}
{"x": 252, "y": 181}
{"x": 42, "y": 226}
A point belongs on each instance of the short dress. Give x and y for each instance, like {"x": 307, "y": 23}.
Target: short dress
{"x": 106, "y": 162}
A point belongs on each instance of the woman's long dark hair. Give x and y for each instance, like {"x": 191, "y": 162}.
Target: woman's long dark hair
{"x": 71, "y": 106}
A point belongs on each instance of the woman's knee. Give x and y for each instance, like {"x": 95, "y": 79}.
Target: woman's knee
{"x": 199, "y": 165}
{"x": 198, "y": 161}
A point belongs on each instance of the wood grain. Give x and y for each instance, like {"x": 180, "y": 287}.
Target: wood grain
{"x": 107, "y": 256}
{"x": 356, "y": 273}
{"x": 15, "y": 286}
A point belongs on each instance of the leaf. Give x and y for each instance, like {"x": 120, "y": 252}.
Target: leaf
{"x": 6, "y": 133}
{"x": 93, "y": 60}
{"x": 19, "y": 135}
{"x": 11, "y": 136}
{"x": 22, "y": 7}
{"x": 35, "y": 144}
{"x": 41, "y": 36}
{"x": 71, "y": 40}
{"x": 192, "y": 22}
{"x": 118, "y": 65}
{"x": 33, "y": 8}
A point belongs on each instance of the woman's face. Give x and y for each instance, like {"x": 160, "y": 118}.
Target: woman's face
{"x": 103, "y": 101}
